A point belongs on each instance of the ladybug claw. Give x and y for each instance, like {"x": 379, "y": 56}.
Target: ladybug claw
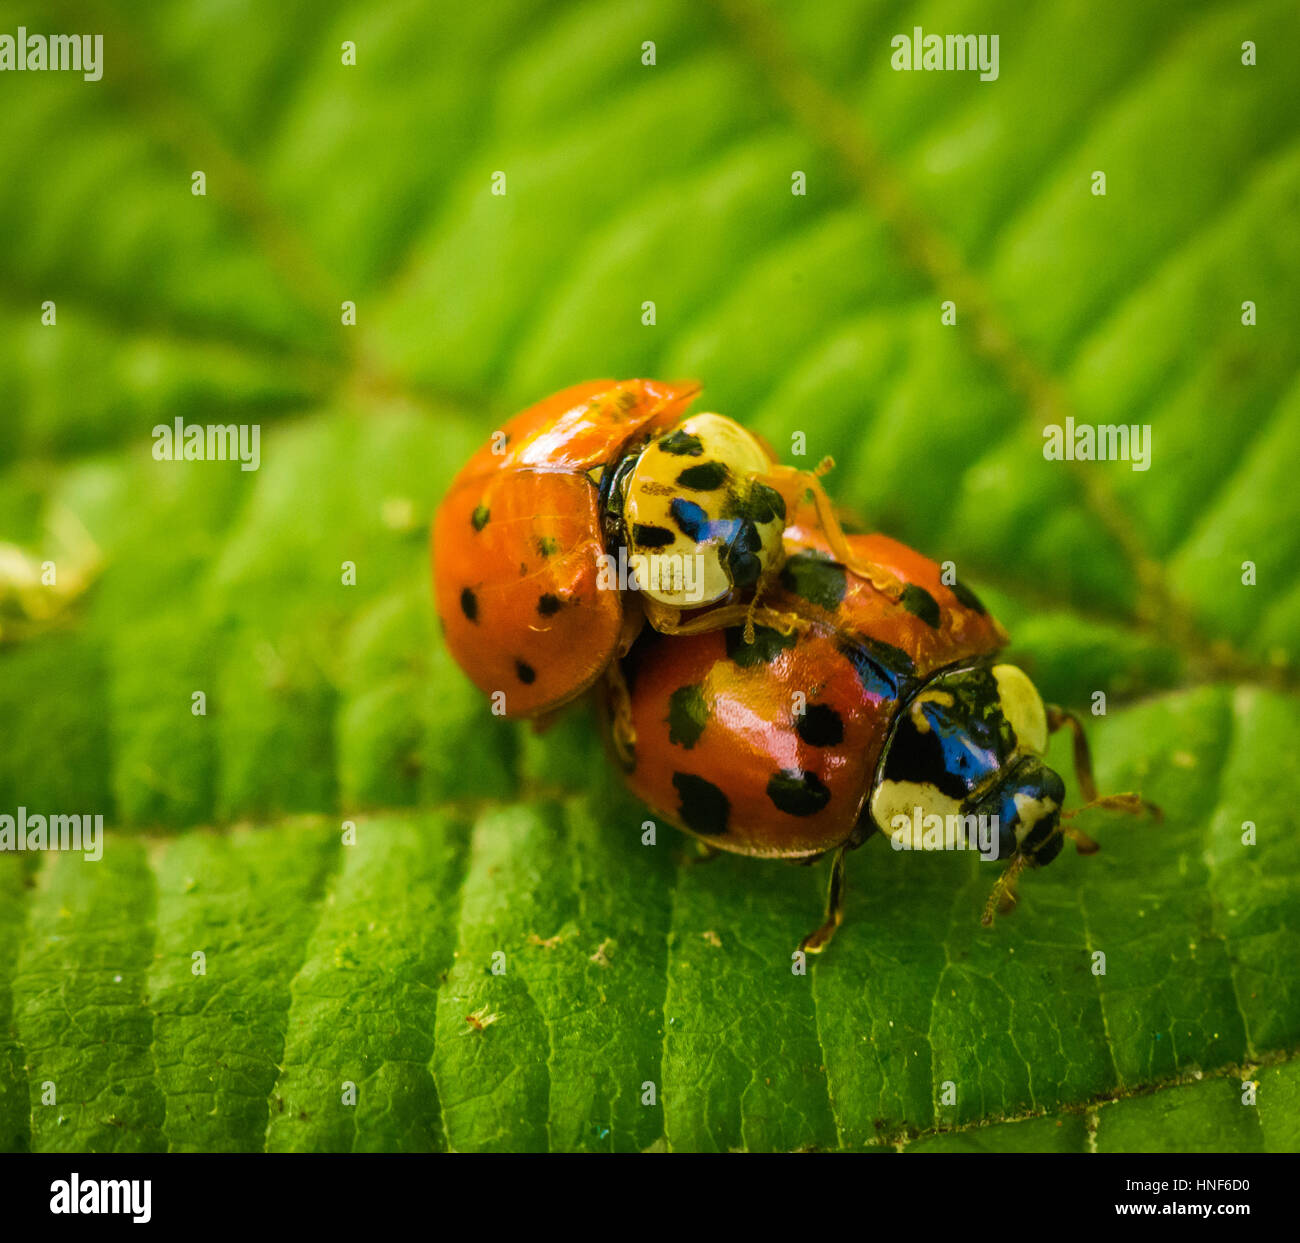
{"x": 817, "y": 941}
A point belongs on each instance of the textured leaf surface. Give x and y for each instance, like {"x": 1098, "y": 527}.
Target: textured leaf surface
{"x": 625, "y": 967}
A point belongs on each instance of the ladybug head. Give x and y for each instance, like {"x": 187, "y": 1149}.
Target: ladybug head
{"x": 694, "y": 513}
{"x": 1027, "y": 802}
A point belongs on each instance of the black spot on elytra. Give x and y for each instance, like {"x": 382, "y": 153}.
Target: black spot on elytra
{"x": 767, "y": 645}
{"x": 760, "y": 503}
{"x": 480, "y": 516}
{"x": 968, "y": 597}
{"x": 687, "y": 716}
{"x": 548, "y": 604}
{"x": 547, "y": 545}
{"x": 683, "y": 444}
{"x": 919, "y": 602}
{"x": 647, "y": 535}
{"x": 469, "y": 604}
{"x": 704, "y": 808}
{"x": 816, "y": 578}
{"x": 820, "y": 726}
{"x": 881, "y": 668}
{"x": 705, "y": 477}
{"x": 525, "y": 672}
{"x": 742, "y": 560}
{"x": 797, "y": 793}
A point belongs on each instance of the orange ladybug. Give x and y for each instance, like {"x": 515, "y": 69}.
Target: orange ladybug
{"x": 871, "y": 715}
{"x": 595, "y": 510}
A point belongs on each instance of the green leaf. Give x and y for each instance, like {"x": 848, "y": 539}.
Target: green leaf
{"x": 347, "y": 908}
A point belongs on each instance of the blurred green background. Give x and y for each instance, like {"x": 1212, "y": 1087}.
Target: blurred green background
{"x": 629, "y": 183}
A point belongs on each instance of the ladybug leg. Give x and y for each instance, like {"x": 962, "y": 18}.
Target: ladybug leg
{"x": 1133, "y": 804}
{"x": 1058, "y": 718}
{"x": 786, "y": 623}
{"x": 618, "y": 705}
{"x": 668, "y": 620}
{"x": 703, "y": 853}
{"x": 817, "y": 941}
{"x": 792, "y": 484}
{"x": 751, "y": 610}
{"x": 633, "y": 620}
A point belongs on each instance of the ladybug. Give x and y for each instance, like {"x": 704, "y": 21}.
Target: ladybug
{"x": 600, "y": 508}
{"x": 871, "y": 715}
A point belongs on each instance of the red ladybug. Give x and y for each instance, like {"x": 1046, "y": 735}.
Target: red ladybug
{"x": 606, "y": 486}
{"x": 871, "y": 715}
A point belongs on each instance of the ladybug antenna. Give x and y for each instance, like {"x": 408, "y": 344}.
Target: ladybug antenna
{"x": 1003, "y": 898}
{"x": 793, "y": 485}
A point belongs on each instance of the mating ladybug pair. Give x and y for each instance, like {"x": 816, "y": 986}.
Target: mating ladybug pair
{"x": 771, "y": 685}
